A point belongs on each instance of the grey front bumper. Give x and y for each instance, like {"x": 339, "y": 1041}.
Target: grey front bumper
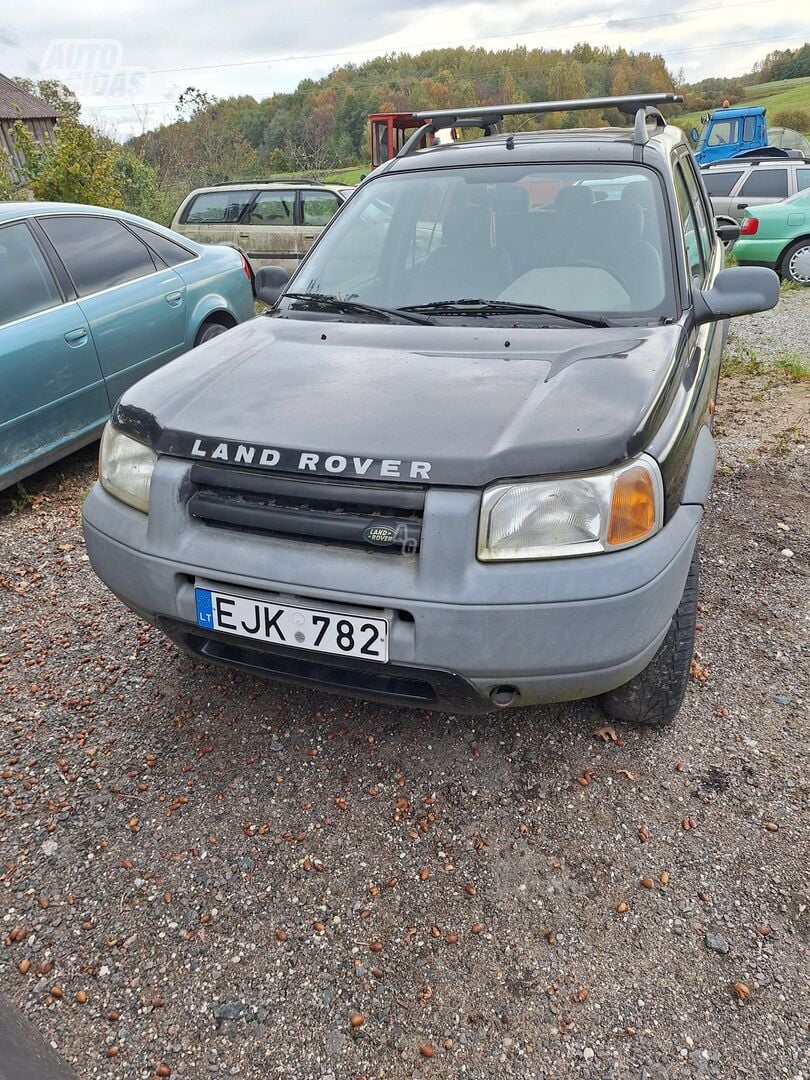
{"x": 554, "y": 630}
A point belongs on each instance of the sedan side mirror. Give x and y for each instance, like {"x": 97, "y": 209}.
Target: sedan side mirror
{"x": 740, "y": 290}
{"x": 270, "y": 283}
{"x": 727, "y": 232}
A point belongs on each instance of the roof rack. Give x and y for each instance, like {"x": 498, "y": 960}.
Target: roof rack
{"x": 270, "y": 180}
{"x": 641, "y": 106}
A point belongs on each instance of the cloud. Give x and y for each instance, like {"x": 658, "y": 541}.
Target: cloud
{"x": 306, "y": 39}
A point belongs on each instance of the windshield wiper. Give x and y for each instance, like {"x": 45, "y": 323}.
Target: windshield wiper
{"x": 501, "y": 307}
{"x": 325, "y": 302}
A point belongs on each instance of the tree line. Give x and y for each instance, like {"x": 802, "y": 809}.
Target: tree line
{"x": 323, "y": 124}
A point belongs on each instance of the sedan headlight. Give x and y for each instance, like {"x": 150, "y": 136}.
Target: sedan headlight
{"x": 574, "y": 515}
{"x": 125, "y": 468}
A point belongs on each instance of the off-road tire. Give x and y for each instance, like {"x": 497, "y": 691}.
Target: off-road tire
{"x": 790, "y": 272}
{"x": 654, "y": 696}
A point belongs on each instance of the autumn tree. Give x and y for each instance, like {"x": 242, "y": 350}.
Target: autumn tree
{"x": 75, "y": 166}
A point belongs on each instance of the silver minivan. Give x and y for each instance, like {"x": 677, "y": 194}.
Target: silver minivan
{"x": 272, "y": 223}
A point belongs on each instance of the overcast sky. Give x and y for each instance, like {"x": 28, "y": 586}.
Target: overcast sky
{"x": 128, "y": 63}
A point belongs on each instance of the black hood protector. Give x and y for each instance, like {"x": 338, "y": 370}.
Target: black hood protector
{"x": 363, "y": 401}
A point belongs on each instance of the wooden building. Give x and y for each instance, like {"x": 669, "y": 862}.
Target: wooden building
{"x": 17, "y": 104}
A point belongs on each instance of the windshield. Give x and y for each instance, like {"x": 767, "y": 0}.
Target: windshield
{"x": 575, "y": 238}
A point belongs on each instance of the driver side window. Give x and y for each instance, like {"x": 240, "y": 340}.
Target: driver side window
{"x": 694, "y": 256}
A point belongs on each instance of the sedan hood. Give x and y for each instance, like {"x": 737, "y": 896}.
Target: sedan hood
{"x": 383, "y": 402}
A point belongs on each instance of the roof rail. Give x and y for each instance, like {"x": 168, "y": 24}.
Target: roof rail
{"x": 642, "y": 106}
{"x": 270, "y": 180}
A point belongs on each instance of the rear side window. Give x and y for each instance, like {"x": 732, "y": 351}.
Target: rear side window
{"x": 720, "y": 183}
{"x": 171, "y": 253}
{"x": 28, "y": 285}
{"x": 217, "y": 207}
{"x": 802, "y": 179}
{"x": 766, "y": 183}
{"x": 318, "y": 207}
{"x": 97, "y": 252}
{"x": 273, "y": 208}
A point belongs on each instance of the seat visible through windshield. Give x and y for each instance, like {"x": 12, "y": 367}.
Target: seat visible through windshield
{"x": 578, "y": 238}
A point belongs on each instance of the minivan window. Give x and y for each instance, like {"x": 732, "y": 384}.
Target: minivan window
{"x": 766, "y": 183}
{"x": 28, "y": 285}
{"x": 170, "y": 252}
{"x": 216, "y": 207}
{"x": 273, "y": 208}
{"x": 802, "y": 179}
{"x": 98, "y": 252}
{"x": 720, "y": 182}
{"x": 421, "y": 237}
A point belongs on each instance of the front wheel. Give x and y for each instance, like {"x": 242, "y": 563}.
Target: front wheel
{"x": 796, "y": 262}
{"x": 654, "y": 696}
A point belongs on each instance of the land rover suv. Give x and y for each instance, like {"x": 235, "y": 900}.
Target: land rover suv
{"x": 462, "y": 462}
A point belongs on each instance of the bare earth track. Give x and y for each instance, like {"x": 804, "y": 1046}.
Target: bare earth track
{"x": 227, "y": 877}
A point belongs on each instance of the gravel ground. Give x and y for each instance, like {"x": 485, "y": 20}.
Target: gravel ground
{"x": 208, "y": 875}
{"x": 783, "y": 331}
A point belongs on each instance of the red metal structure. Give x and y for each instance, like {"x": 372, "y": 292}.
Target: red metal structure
{"x": 389, "y": 132}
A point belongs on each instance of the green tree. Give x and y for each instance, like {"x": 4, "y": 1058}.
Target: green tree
{"x": 53, "y": 93}
{"x": 75, "y": 167}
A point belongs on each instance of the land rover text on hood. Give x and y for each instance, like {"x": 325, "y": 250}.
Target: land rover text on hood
{"x": 461, "y": 462}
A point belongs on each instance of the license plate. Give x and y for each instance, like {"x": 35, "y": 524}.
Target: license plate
{"x": 296, "y": 627}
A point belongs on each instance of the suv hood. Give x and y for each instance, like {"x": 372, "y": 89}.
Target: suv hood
{"x": 383, "y": 402}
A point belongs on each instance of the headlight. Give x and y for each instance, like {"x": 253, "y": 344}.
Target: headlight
{"x": 575, "y": 515}
{"x": 125, "y": 468}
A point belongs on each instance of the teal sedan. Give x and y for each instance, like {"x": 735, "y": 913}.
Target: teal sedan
{"x": 778, "y": 235}
{"x": 91, "y": 300}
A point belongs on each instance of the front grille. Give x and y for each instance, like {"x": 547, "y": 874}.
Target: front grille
{"x": 373, "y": 516}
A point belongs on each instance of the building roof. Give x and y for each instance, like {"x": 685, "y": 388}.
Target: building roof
{"x": 18, "y": 104}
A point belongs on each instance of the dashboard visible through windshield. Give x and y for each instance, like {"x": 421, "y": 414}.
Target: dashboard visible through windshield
{"x": 577, "y": 238}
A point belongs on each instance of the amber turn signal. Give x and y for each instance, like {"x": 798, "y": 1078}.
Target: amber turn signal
{"x": 632, "y": 508}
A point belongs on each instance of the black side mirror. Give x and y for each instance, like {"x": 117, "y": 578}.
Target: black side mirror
{"x": 270, "y": 283}
{"x": 740, "y": 290}
{"x": 727, "y": 232}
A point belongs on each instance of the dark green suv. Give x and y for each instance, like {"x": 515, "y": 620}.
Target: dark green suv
{"x": 462, "y": 462}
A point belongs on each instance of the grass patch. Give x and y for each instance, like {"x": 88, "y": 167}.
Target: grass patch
{"x": 792, "y": 367}
{"x": 349, "y": 177}
{"x": 741, "y": 362}
{"x": 775, "y": 96}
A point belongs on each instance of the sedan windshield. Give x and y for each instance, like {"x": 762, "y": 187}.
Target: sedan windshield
{"x": 579, "y": 239}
